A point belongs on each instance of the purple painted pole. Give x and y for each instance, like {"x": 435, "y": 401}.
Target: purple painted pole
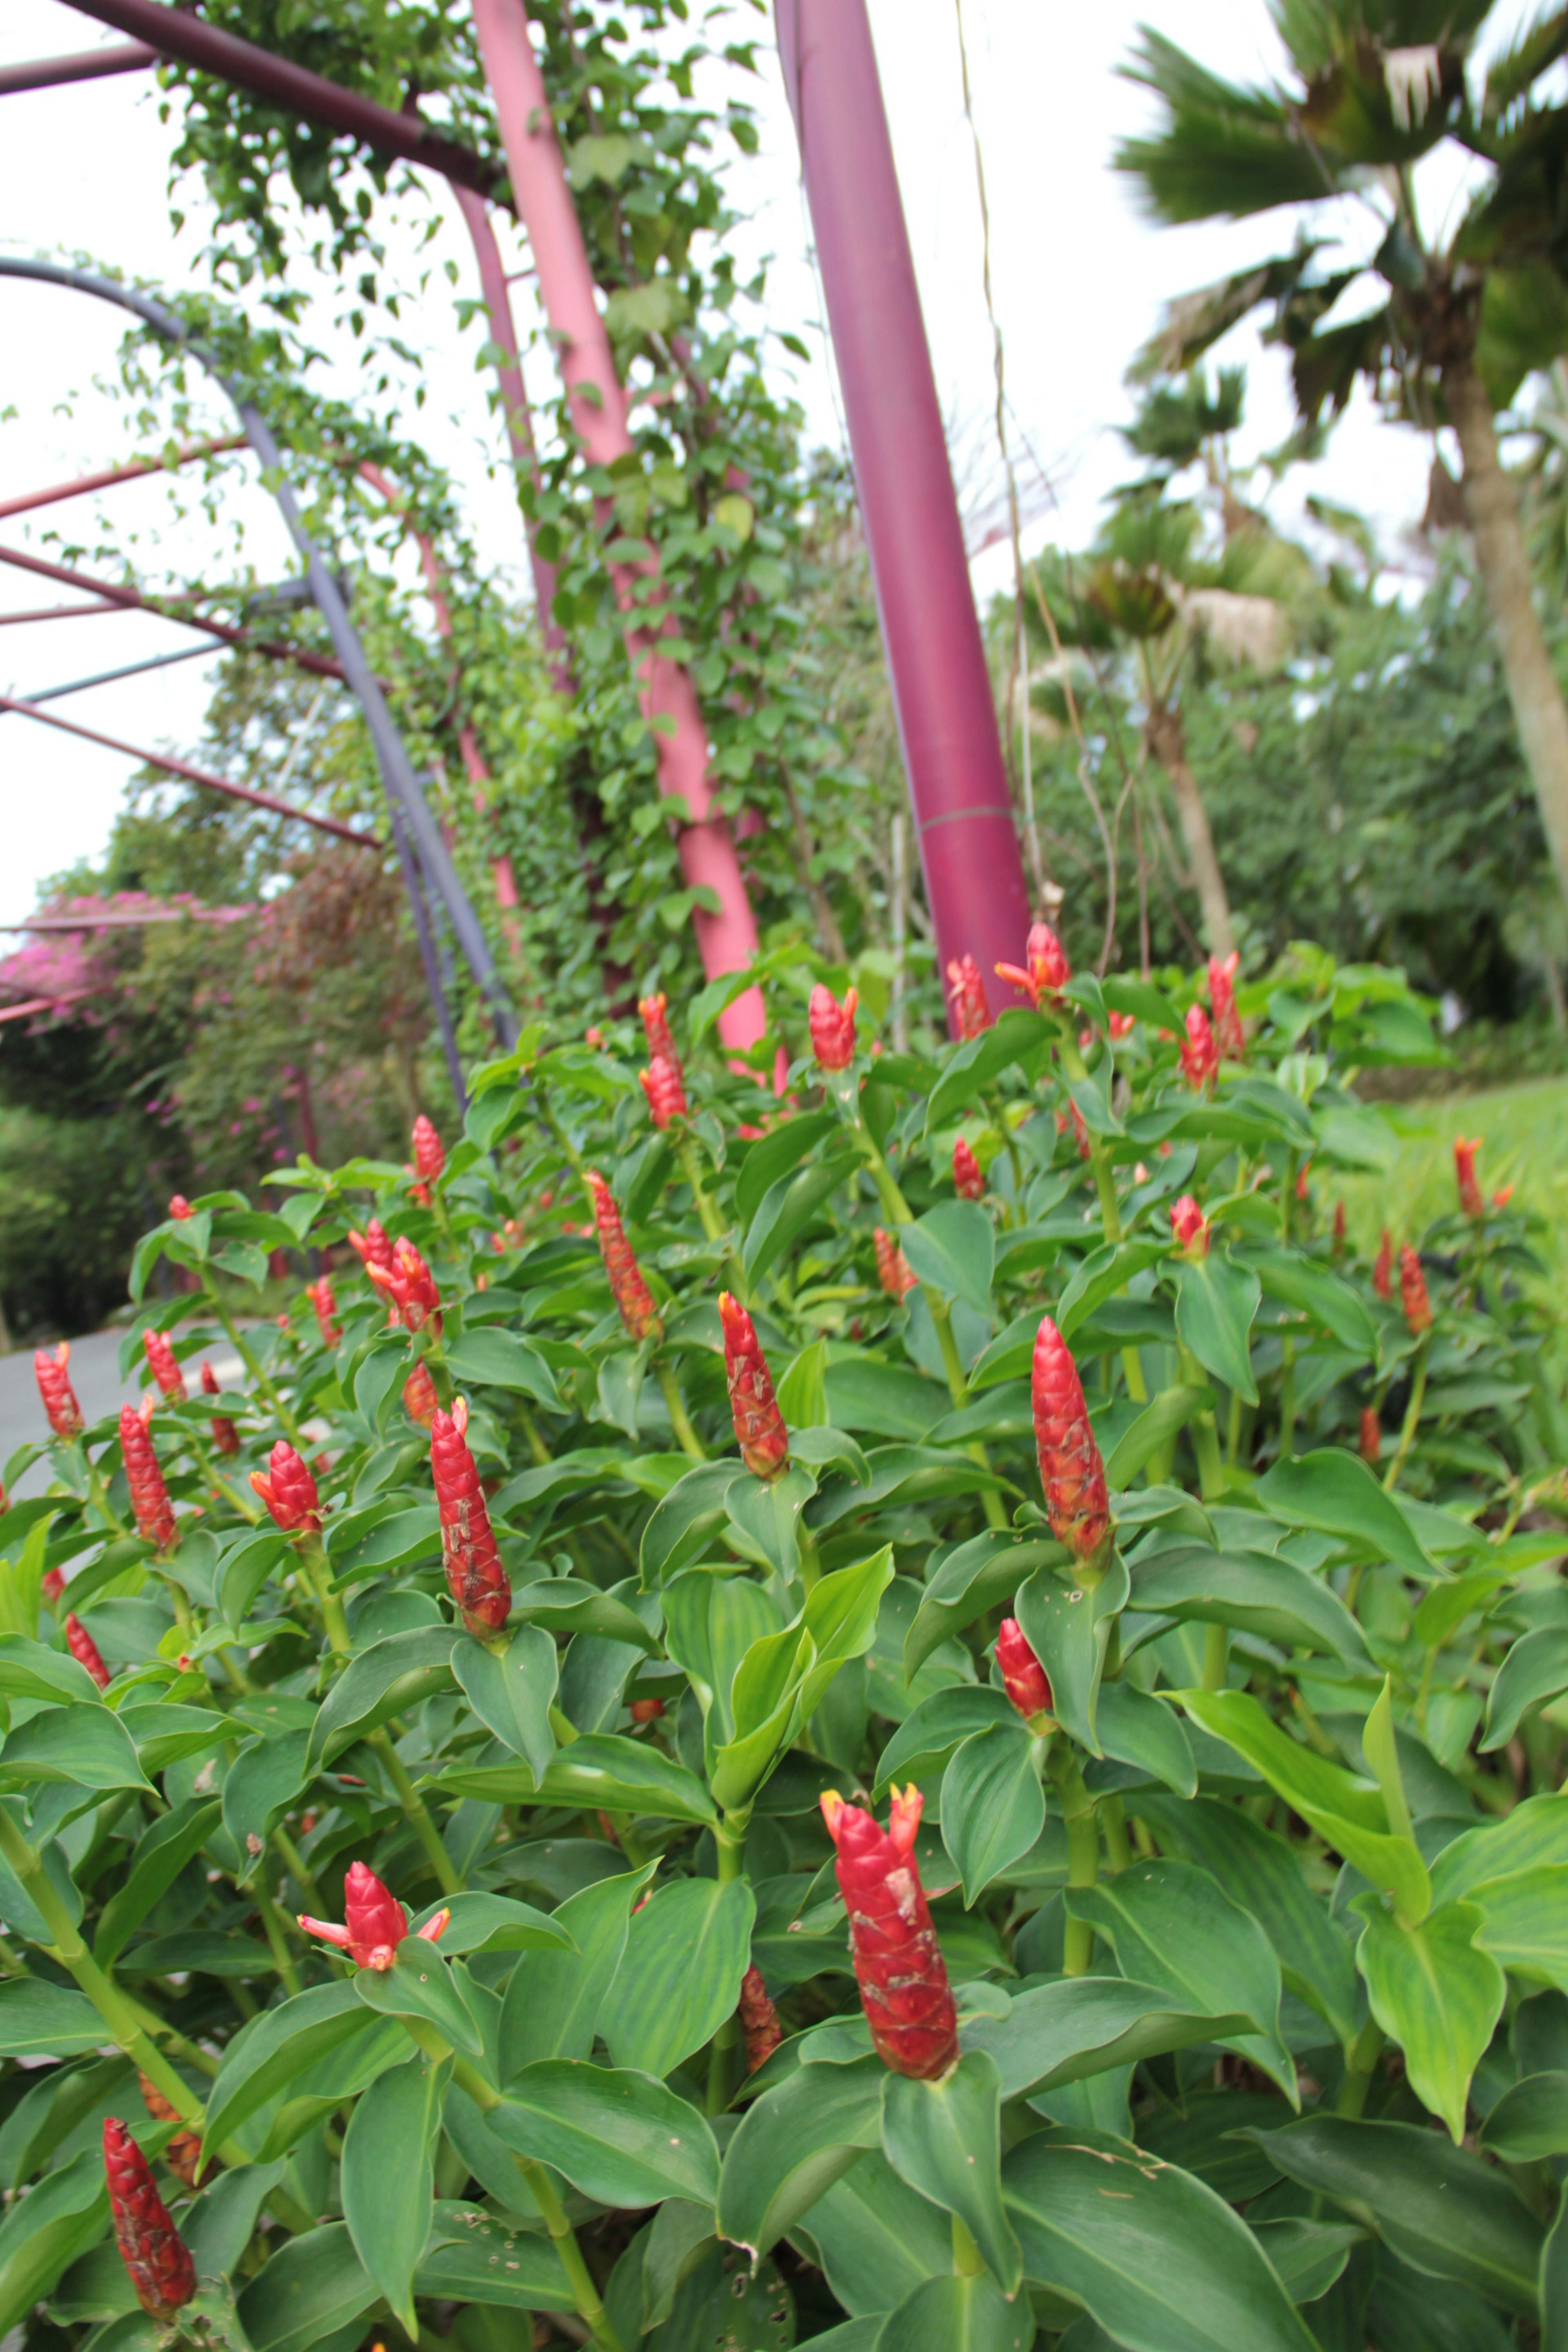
{"x": 942, "y": 689}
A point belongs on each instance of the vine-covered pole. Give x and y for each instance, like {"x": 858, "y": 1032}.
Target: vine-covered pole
{"x": 942, "y": 689}
{"x": 726, "y": 940}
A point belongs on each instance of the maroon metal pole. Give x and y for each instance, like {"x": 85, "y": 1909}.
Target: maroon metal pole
{"x": 84, "y": 65}
{"x": 137, "y": 467}
{"x": 942, "y": 689}
{"x": 130, "y": 601}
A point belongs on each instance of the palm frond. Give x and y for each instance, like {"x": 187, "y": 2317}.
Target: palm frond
{"x": 1223, "y": 148}
{"x": 1511, "y": 77}
{"x": 1194, "y": 322}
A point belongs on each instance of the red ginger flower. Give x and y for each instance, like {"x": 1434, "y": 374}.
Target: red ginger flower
{"x": 655, "y": 1029}
{"x": 1189, "y": 1227}
{"x": 374, "y": 1922}
{"x": 632, "y": 1295}
{"x": 1200, "y": 1054}
{"x": 180, "y": 1208}
{"x": 666, "y": 1091}
{"x": 1501, "y": 1198}
{"x": 289, "y": 1491}
{"x": 85, "y": 1650}
{"x": 1023, "y": 1678}
{"x": 149, "y": 1496}
{"x": 1071, "y": 1471}
{"x": 1371, "y": 1434}
{"x": 1302, "y": 1179}
{"x": 759, "y": 2019}
{"x": 225, "y": 1437}
{"x": 325, "y": 1308}
{"x": 758, "y": 1425}
{"x": 52, "y": 1585}
{"x": 832, "y": 1027}
{"x": 967, "y": 1181}
{"x": 183, "y": 2154}
{"x": 1339, "y": 1227}
{"x": 1080, "y": 1133}
{"x": 645, "y": 1711}
{"x": 1121, "y": 1025}
{"x": 410, "y": 1284}
{"x": 430, "y": 1151}
{"x": 162, "y": 1364}
{"x": 420, "y": 1402}
{"x": 1382, "y": 1271}
{"x": 1221, "y": 999}
{"x": 373, "y": 1247}
{"x": 54, "y": 1387}
{"x": 894, "y": 1272}
{"x": 966, "y": 991}
{"x": 1465, "y": 1151}
{"x": 152, "y": 2248}
{"x": 475, "y": 1577}
{"x": 1413, "y": 1291}
{"x": 1047, "y": 971}
{"x": 898, "y": 1962}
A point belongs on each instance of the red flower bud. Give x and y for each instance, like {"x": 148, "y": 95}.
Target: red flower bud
{"x": 1080, "y": 1133}
{"x": 410, "y": 1284}
{"x": 1200, "y": 1054}
{"x": 373, "y": 1247}
{"x": 967, "y": 1181}
{"x": 183, "y": 2154}
{"x": 225, "y": 1437}
{"x": 374, "y": 1922}
{"x": 1413, "y": 1291}
{"x": 149, "y": 1496}
{"x": 758, "y": 1424}
{"x": 1221, "y": 999}
{"x": 894, "y": 1272}
{"x": 832, "y": 1027}
{"x": 1503, "y": 1195}
{"x": 666, "y": 1092}
{"x": 631, "y": 1293}
{"x": 420, "y": 1402}
{"x": 319, "y": 1294}
{"x": 1047, "y": 971}
{"x": 85, "y": 1650}
{"x": 162, "y": 1366}
{"x": 1071, "y": 1471}
{"x": 1382, "y": 1271}
{"x": 967, "y": 991}
{"x": 289, "y": 1491}
{"x": 475, "y": 1577}
{"x": 430, "y": 1151}
{"x": 1339, "y": 1227}
{"x": 1302, "y": 1179}
{"x": 54, "y": 1387}
{"x": 1121, "y": 1025}
{"x": 1023, "y": 1678}
{"x": 52, "y": 1585}
{"x": 1189, "y": 1227}
{"x": 152, "y": 2248}
{"x": 1371, "y": 1434}
{"x": 655, "y": 1029}
{"x": 759, "y": 2020}
{"x": 645, "y": 1711}
{"x": 898, "y": 1962}
{"x": 1465, "y": 1151}
{"x": 180, "y": 1208}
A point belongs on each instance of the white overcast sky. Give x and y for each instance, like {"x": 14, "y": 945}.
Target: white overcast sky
{"x": 1079, "y": 276}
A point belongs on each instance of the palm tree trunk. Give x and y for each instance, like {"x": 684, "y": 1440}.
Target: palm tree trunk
{"x": 1500, "y": 559}
{"x": 1167, "y": 741}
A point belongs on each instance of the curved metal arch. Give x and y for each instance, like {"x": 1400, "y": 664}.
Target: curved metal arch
{"x": 415, "y": 833}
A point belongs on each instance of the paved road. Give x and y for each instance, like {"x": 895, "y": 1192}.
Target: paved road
{"x": 95, "y": 1377}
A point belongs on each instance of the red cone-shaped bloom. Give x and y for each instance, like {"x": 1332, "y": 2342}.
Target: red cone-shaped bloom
{"x": 149, "y": 1496}
{"x": 1228, "y": 1027}
{"x": 180, "y": 1208}
{"x": 759, "y": 2020}
{"x": 85, "y": 1650}
{"x": 52, "y": 1585}
{"x": 1023, "y": 1678}
{"x": 898, "y": 1962}
{"x": 54, "y": 1387}
{"x": 1047, "y": 970}
{"x": 289, "y": 1491}
{"x": 1080, "y": 1133}
{"x": 663, "y": 1086}
{"x": 1371, "y": 1434}
{"x": 420, "y": 1402}
{"x": 373, "y": 1246}
{"x": 760, "y": 1431}
{"x": 832, "y": 1027}
{"x": 631, "y": 1293}
{"x": 1413, "y": 1291}
{"x": 894, "y": 1272}
{"x": 410, "y": 1284}
{"x": 152, "y": 2248}
{"x": 655, "y": 1029}
{"x": 1071, "y": 1471}
{"x": 430, "y": 1151}
{"x": 162, "y": 1364}
{"x": 966, "y": 991}
{"x": 1189, "y": 1227}
{"x": 1465, "y": 1151}
{"x": 1200, "y": 1054}
{"x": 475, "y": 1577}
{"x": 325, "y": 1308}
{"x": 1382, "y": 1271}
{"x": 225, "y": 1437}
{"x": 968, "y": 1180}
{"x": 374, "y": 1922}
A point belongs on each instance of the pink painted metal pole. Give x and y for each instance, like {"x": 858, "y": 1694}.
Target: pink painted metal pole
{"x": 596, "y": 402}
{"x": 941, "y": 690}
{"x": 132, "y": 472}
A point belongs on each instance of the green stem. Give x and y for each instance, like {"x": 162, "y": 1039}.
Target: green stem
{"x": 1411, "y": 1412}
{"x": 1073, "y": 1063}
{"x": 299, "y": 1870}
{"x": 98, "y": 1493}
{"x": 1216, "y": 1657}
{"x": 246, "y": 1355}
{"x": 1205, "y": 1436}
{"x": 809, "y": 1557}
{"x": 998, "y": 1110}
{"x": 273, "y": 1926}
{"x": 690, "y": 1168}
{"x": 531, "y": 1438}
{"x": 1233, "y": 1430}
{"x": 686, "y": 1438}
{"x": 1361, "y": 2065}
{"x": 1287, "y": 1400}
{"x": 313, "y": 1566}
{"x": 729, "y": 1837}
{"x": 415, "y": 1813}
{"x": 1083, "y": 1858}
{"x": 1117, "y": 1845}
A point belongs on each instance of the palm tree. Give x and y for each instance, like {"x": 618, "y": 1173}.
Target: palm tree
{"x": 1454, "y": 326}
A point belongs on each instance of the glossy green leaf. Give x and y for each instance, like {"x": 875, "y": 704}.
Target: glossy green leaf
{"x": 1104, "y": 1272}
{"x": 981, "y": 1573}
{"x": 388, "y": 2175}
{"x": 271, "y": 2050}
{"x": 553, "y": 1998}
{"x": 419, "y": 1984}
{"x": 39, "y": 2019}
{"x": 44, "y": 2232}
{"x": 85, "y": 1745}
{"x": 1169, "y": 1411}
{"x": 1524, "y": 1923}
{"x": 1016, "y": 1035}
{"x": 162, "y": 1852}
{"x": 1436, "y": 1993}
{"x": 788, "y": 1206}
{"x": 263, "y": 1781}
{"x": 928, "y": 1735}
{"x": 512, "y": 1693}
{"x": 245, "y": 1569}
{"x": 953, "y": 1249}
{"x": 394, "y": 1541}
{"x": 993, "y": 1807}
{"x": 1066, "y": 2031}
{"x": 1536, "y": 1668}
{"x": 472, "y": 2257}
{"x": 841, "y": 1616}
{"x": 877, "y": 2240}
{"x": 1307, "y": 2256}
{"x": 561, "y": 1604}
{"x": 1081, "y": 2202}
{"x": 312, "y": 2287}
{"x": 957, "y": 2314}
{"x": 490, "y": 1358}
{"x": 1334, "y": 1493}
{"x": 945, "y": 2139}
{"x": 30, "y": 1670}
{"x": 1530, "y": 2120}
{"x": 1135, "y": 1728}
{"x": 794, "y": 2142}
{"x": 1533, "y": 1836}
{"x": 1257, "y": 1592}
{"x": 1323, "y": 1296}
{"x": 620, "y": 2137}
{"x": 1068, "y": 1626}
{"x": 602, "y": 1771}
{"x": 1215, "y": 1303}
{"x": 687, "y": 1949}
{"x": 777, "y": 1154}
{"x": 682, "y": 1522}
{"x": 1555, "y": 2285}
{"x": 389, "y": 1677}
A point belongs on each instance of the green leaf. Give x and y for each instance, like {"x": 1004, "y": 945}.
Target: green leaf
{"x": 954, "y": 1248}
{"x": 39, "y": 2019}
{"x": 777, "y": 1155}
{"x": 270, "y": 2050}
{"x": 165, "y": 1733}
{"x": 944, "y": 2138}
{"x": 85, "y": 1745}
{"x": 1439, "y": 2208}
{"x": 1256, "y": 1591}
{"x": 484, "y": 2262}
{"x": 986, "y": 1570}
{"x": 681, "y": 1524}
{"x": 1171, "y": 1409}
{"x": 1215, "y": 1303}
{"x": 1436, "y": 1994}
{"x": 789, "y": 1205}
{"x": 263, "y": 1781}
{"x": 1536, "y": 1668}
{"x": 687, "y": 1950}
{"x": 553, "y": 1998}
{"x": 1016, "y": 1035}
{"x": 388, "y": 2175}
{"x": 956, "y": 2314}
{"x": 312, "y": 2287}
{"x": 480, "y": 1922}
{"x": 420, "y": 1984}
{"x": 44, "y": 2232}
{"x": 30, "y": 1670}
{"x": 928, "y": 1735}
{"x": 877, "y": 2239}
{"x": 511, "y": 1693}
{"x": 393, "y": 1542}
{"x": 563, "y": 1605}
{"x": 620, "y": 2137}
{"x": 492, "y": 1357}
{"x": 1325, "y": 1297}
{"x": 162, "y": 1852}
{"x": 1136, "y": 1727}
{"x": 1079, "y": 2026}
{"x": 993, "y": 1807}
{"x": 1159, "y": 2259}
{"x": 245, "y": 1569}
{"x": 794, "y": 2142}
{"x": 1104, "y": 1272}
{"x": 1172, "y": 1924}
{"x": 1068, "y": 1626}
{"x": 1532, "y": 1837}
{"x": 1530, "y": 2120}
{"x": 1524, "y": 1923}
{"x": 1335, "y": 1494}
{"x": 387, "y": 1679}
{"x": 601, "y": 1771}
{"x": 841, "y": 1616}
